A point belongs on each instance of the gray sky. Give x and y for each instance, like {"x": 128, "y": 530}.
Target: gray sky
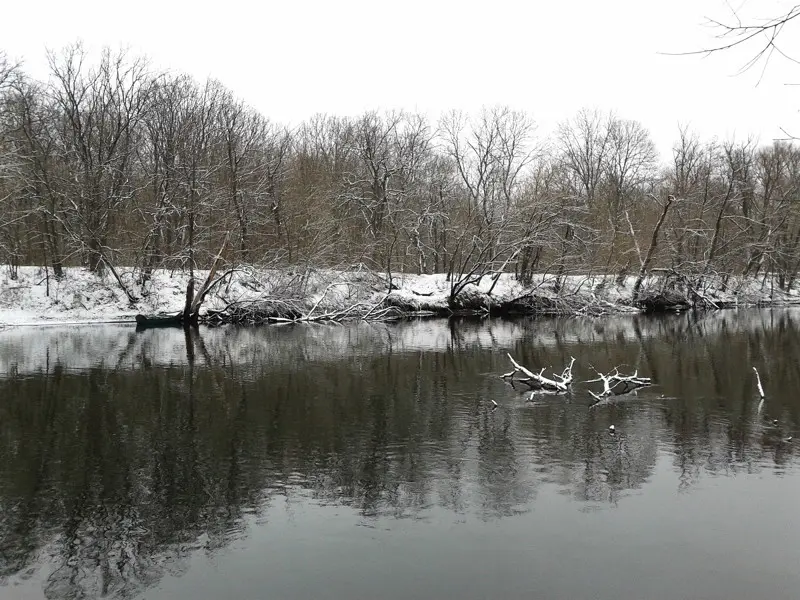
{"x": 292, "y": 59}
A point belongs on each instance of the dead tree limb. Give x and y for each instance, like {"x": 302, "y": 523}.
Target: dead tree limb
{"x": 556, "y": 383}
{"x": 615, "y": 384}
{"x": 651, "y": 250}
{"x": 206, "y": 289}
{"x": 187, "y": 307}
{"x": 307, "y": 317}
{"x": 131, "y": 298}
{"x": 760, "y": 389}
{"x": 194, "y": 308}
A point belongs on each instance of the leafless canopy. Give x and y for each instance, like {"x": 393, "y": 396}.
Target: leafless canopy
{"x": 111, "y": 162}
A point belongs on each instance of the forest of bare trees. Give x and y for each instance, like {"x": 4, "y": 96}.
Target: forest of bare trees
{"x": 111, "y": 163}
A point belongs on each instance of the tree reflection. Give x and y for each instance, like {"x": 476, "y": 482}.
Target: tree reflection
{"x": 115, "y": 475}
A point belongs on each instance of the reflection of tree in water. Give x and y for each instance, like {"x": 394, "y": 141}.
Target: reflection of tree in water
{"x": 120, "y": 475}
{"x": 113, "y": 482}
{"x": 504, "y": 483}
{"x": 714, "y": 416}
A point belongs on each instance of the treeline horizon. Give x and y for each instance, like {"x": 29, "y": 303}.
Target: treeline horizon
{"x": 111, "y": 162}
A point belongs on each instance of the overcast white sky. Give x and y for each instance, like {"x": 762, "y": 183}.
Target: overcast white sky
{"x": 291, "y": 59}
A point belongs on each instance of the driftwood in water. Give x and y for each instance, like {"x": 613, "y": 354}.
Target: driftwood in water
{"x": 556, "y": 383}
{"x": 760, "y": 390}
{"x": 615, "y": 384}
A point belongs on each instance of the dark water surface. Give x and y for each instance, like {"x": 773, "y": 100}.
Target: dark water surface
{"x": 367, "y": 461}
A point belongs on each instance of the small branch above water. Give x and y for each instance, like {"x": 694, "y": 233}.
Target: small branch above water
{"x": 760, "y": 389}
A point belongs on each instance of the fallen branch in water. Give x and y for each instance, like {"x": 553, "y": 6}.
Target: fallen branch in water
{"x": 556, "y": 383}
{"x": 760, "y": 390}
{"x": 615, "y": 384}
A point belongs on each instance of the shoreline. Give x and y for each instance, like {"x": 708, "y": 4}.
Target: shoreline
{"x": 260, "y": 296}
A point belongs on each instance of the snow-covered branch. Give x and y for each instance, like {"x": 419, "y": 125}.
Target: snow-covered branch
{"x": 616, "y": 384}
{"x": 555, "y": 383}
{"x": 760, "y": 390}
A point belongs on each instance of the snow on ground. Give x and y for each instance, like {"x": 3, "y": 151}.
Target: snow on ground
{"x": 36, "y": 297}
{"x": 83, "y": 297}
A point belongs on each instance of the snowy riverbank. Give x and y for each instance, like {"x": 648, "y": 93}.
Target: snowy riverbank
{"x": 33, "y": 297}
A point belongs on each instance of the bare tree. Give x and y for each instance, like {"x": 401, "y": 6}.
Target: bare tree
{"x": 9, "y": 163}
{"x": 109, "y": 164}
{"x": 694, "y": 179}
{"x": 648, "y": 258}
{"x": 316, "y": 206}
{"x": 160, "y": 204}
{"x": 631, "y": 169}
{"x": 582, "y": 148}
{"x": 253, "y": 151}
{"x": 553, "y": 229}
{"x": 772, "y": 218}
{"x": 430, "y": 207}
{"x": 28, "y": 120}
{"x": 583, "y": 144}
{"x": 101, "y": 107}
{"x": 269, "y": 181}
{"x": 197, "y": 171}
{"x": 8, "y": 71}
{"x": 491, "y": 155}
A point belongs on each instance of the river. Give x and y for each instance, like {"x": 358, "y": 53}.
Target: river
{"x": 370, "y": 461}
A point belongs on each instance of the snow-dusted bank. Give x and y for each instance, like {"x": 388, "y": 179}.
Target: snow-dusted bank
{"x": 249, "y": 295}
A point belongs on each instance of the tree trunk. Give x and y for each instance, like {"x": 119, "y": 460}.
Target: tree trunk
{"x": 651, "y": 250}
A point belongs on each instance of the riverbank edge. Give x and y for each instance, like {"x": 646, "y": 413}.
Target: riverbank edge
{"x": 246, "y": 295}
